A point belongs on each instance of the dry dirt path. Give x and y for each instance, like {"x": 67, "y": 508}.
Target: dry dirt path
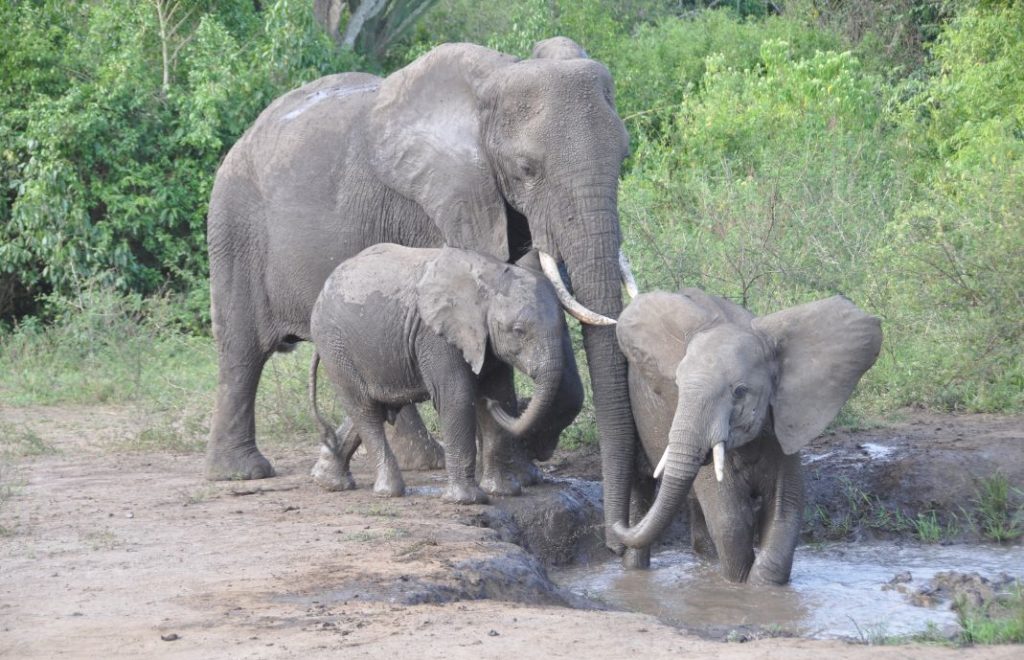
{"x": 107, "y": 553}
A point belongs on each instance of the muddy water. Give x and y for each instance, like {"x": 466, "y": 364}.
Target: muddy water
{"x": 835, "y": 592}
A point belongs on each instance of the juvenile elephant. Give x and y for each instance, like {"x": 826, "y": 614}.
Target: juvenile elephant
{"x": 709, "y": 380}
{"x": 397, "y": 325}
{"x": 464, "y": 147}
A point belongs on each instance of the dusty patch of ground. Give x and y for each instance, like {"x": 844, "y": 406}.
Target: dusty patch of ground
{"x": 105, "y": 552}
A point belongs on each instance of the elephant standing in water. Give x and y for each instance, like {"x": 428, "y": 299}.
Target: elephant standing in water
{"x": 709, "y": 380}
{"x": 398, "y": 325}
{"x": 464, "y": 147}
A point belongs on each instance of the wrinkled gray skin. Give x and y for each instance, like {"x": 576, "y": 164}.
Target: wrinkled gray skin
{"x": 465, "y": 147}
{"x": 397, "y": 325}
{"x": 703, "y": 370}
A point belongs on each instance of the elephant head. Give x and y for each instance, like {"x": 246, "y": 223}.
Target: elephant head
{"x": 504, "y": 155}
{"x": 737, "y": 376}
{"x": 474, "y": 300}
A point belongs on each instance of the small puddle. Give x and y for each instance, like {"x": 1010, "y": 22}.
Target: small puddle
{"x": 835, "y": 592}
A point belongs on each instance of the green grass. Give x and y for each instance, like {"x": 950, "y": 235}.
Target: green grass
{"x": 998, "y": 622}
{"x": 998, "y": 509}
{"x": 864, "y": 510}
{"x": 105, "y": 348}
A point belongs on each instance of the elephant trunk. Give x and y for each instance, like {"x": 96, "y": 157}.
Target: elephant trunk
{"x": 592, "y": 261}
{"x": 549, "y": 376}
{"x": 688, "y": 446}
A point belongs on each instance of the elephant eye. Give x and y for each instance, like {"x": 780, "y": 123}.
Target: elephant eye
{"x": 740, "y": 391}
{"x": 519, "y": 330}
{"x": 527, "y": 169}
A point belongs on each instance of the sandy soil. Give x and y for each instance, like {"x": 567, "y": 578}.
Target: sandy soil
{"x": 107, "y": 553}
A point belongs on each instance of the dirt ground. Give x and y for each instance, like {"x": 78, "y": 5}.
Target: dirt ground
{"x": 108, "y": 553}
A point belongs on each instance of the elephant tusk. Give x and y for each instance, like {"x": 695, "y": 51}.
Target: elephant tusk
{"x": 571, "y": 305}
{"x": 718, "y": 455}
{"x": 627, "y": 276}
{"x": 661, "y": 464}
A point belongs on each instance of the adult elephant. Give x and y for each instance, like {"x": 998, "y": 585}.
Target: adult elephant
{"x": 466, "y": 147}
{"x": 710, "y": 381}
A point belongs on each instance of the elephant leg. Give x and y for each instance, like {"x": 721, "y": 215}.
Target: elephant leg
{"x": 729, "y": 514}
{"x": 505, "y": 466}
{"x": 639, "y": 503}
{"x": 700, "y": 537}
{"x": 369, "y": 422}
{"x": 331, "y": 471}
{"x": 782, "y": 518}
{"x": 412, "y": 444}
{"x": 231, "y": 452}
{"x": 458, "y": 431}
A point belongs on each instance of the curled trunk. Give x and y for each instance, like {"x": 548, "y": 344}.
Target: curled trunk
{"x": 688, "y": 446}
{"x": 538, "y": 410}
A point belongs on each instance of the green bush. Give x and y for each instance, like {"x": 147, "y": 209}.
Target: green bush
{"x": 954, "y": 255}
{"x": 108, "y": 166}
{"x": 771, "y": 186}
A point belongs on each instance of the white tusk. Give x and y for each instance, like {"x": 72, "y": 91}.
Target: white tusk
{"x": 571, "y": 305}
{"x": 661, "y": 464}
{"x": 718, "y": 454}
{"x": 627, "y": 276}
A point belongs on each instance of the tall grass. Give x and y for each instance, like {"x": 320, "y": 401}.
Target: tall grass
{"x": 109, "y": 348}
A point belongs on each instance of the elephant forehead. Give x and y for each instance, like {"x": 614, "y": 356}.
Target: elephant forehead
{"x": 729, "y": 347}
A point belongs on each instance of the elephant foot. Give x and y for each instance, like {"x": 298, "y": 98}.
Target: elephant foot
{"x": 501, "y": 485}
{"x": 240, "y": 464}
{"x": 464, "y": 493}
{"x": 762, "y": 575}
{"x": 421, "y": 454}
{"x": 329, "y": 474}
{"x": 389, "y": 485}
{"x": 527, "y": 473}
{"x": 412, "y": 444}
{"x": 636, "y": 558}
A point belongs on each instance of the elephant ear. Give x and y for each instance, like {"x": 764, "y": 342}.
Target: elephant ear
{"x": 655, "y": 329}
{"x": 824, "y": 348}
{"x": 450, "y": 300}
{"x": 558, "y": 48}
{"x": 425, "y": 143}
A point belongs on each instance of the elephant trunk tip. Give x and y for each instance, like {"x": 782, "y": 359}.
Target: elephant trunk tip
{"x": 626, "y": 535}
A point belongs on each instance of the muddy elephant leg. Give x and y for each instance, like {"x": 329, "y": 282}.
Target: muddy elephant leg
{"x": 639, "y": 503}
{"x": 332, "y": 470}
{"x": 231, "y": 451}
{"x": 369, "y": 422}
{"x": 505, "y": 468}
{"x": 782, "y": 518}
{"x": 412, "y": 444}
{"x": 729, "y": 514}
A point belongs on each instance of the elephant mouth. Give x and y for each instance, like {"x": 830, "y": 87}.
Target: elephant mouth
{"x": 714, "y": 456}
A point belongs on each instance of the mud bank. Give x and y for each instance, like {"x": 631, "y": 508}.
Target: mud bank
{"x": 113, "y": 553}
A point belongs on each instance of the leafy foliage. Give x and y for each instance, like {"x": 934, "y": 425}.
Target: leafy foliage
{"x": 106, "y": 169}
{"x": 782, "y": 152}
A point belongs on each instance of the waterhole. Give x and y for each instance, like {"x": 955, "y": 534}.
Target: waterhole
{"x": 836, "y": 590}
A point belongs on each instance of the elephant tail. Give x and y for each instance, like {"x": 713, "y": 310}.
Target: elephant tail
{"x": 327, "y": 434}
